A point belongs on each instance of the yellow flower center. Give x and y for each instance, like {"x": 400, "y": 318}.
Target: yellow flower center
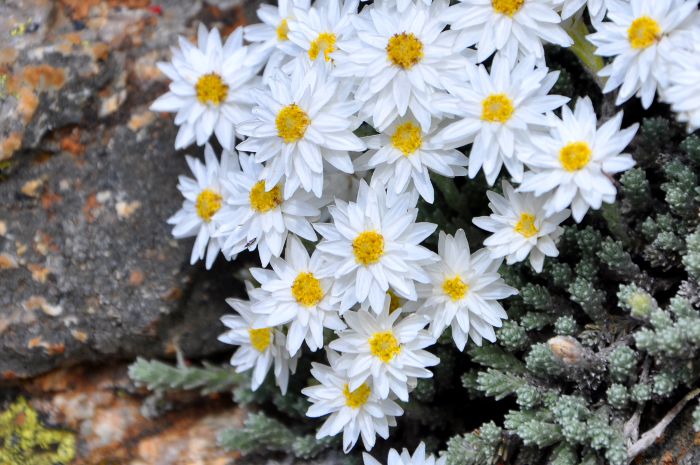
{"x": 394, "y": 301}
{"x": 211, "y": 88}
{"x": 497, "y": 108}
{"x": 263, "y": 201}
{"x": 306, "y": 289}
{"x": 291, "y": 123}
{"x": 404, "y": 50}
{"x": 283, "y": 31}
{"x": 407, "y": 138}
{"x": 455, "y": 288}
{"x": 207, "y": 204}
{"x": 507, "y": 7}
{"x": 643, "y": 32}
{"x": 324, "y": 43}
{"x": 368, "y": 247}
{"x": 526, "y": 225}
{"x": 260, "y": 339}
{"x": 575, "y": 155}
{"x": 358, "y": 397}
{"x": 384, "y": 346}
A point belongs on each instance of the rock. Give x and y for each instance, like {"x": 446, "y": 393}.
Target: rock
{"x": 103, "y": 412}
{"x": 88, "y": 270}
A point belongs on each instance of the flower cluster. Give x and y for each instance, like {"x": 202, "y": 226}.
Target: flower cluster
{"x": 444, "y": 90}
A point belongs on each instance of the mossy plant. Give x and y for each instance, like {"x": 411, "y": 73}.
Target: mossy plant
{"x": 24, "y": 440}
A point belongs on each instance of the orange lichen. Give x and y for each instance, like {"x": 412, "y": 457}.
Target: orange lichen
{"x": 28, "y": 102}
{"x": 90, "y": 208}
{"x": 8, "y": 56}
{"x": 39, "y": 273}
{"x": 71, "y": 143}
{"x": 136, "y": 278}
{"x": 10, "y": 145}
{"x": 49, "y": 199}
{"x": 44, "y": 76}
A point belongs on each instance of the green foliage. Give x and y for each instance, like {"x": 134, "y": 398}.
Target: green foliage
{"x": 477, "y": 448}
{"x": 635, "y": 190}
{"x": 565, "y": 326}
{"x": 159, "y": 376}
{"x": 692, "y": 259}
{"x": 673, "y": 333}
{"x": 618, "y": 396}
{"x": 622, "y": 363}
{"x": 261, "y": 433}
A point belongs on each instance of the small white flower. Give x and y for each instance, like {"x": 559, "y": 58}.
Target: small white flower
{"x": 576, "y": 159}
{"x": 386, "y": 351}
{"x": 499, "y": 112}
{"x": 270, "y": 44}
{"x": 464, "y": 292}
{"x": 596, "y": 8}
{"x": 355, "y": 412}
{"x": 521, "y": 227}
{"x": 514, "y": 27}
{"x": 399, "y": 60}
{"x": 303, "y": 120}
{"x": 260, "y": 217}
{"x": 211, "y": 88}
{"x": 401, "y": 5}
{"x": 373, "y": 244}
{"x": 297, "y": 293}
{"x": 259, "y": 347}
{"x": 204, "y": 200}
{"x": 683, "y": 91}
{"x": 403, "y": 156}
{"x": 320, "y": 30}
{"x": 405, "y": 458}
{"x": 638, "y": 37}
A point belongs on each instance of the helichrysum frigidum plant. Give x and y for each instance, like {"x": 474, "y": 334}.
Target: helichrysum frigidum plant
{"x": 368, "y": 148}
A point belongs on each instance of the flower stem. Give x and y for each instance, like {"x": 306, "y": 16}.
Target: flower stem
{"x": 584, "y": 50}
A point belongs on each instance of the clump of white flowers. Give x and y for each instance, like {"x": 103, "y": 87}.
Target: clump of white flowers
{"x": 449, "y": 90}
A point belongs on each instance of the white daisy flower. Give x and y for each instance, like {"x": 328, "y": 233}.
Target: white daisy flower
{"x": 464, "y": 292}
{"x": 270, "y": 44}
{"x": 521, "y": 227}
{"x": 576, "y": 159}
{"x": 399, "y": 60}
{"x": 211, "y": 88}
{"x": 396, "y": 302}
{"x": 386, "y": 351}
{"x": 297, "y": 294}
{"x": 499, "y": 112}
{"x": 403, "y": 156}
{"x": 320, "y": 30}
{"x": 513, "y": 27}
{"x": 596, "y": 8}
{"x": 259, "y": 348}
{"x": 373, "y": 244}
{"x": 401, "y": 5}
{"x": 303, "y": 120}
{"x": 637, "y": 36}
{"x": 405, "y": 458}
{"x": 260, "y": 217}
{"x": 355, "y": 412}
{"x": 204, "y": 200}
{"x": 683, "y": 91}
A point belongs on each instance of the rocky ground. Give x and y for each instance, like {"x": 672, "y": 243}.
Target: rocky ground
{"x": 89, "y": 275}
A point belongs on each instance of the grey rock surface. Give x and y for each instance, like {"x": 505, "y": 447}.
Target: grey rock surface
{"x": 88, "y": 269}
